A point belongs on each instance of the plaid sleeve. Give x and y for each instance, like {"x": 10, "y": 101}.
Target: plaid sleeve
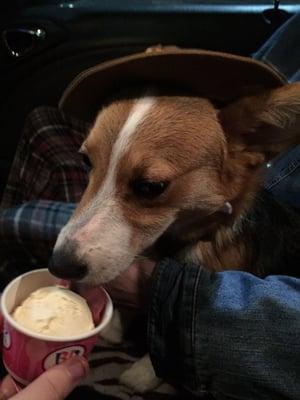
{"x": 28, "y": 232}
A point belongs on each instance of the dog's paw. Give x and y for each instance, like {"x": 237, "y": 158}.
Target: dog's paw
{"x": 113, "y": 333}
{"x": 140, "y": 377}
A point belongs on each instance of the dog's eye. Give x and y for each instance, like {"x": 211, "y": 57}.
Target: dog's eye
{"x": 148, "y": 189}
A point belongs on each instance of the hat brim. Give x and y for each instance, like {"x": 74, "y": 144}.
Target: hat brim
{"x": 215, "y": 75}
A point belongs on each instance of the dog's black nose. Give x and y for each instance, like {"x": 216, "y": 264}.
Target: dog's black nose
{"x": 65, "y": 265}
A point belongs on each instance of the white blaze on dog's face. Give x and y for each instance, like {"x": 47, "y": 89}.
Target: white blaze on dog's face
{"x": 151, "y": 157}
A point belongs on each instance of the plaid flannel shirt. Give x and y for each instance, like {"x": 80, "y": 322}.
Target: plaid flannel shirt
{"x": 47, "y": 164}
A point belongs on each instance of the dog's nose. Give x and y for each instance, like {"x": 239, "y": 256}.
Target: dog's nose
{"x": 65, "y": 265}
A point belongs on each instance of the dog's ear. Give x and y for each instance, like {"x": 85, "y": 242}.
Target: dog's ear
{"x": 268, "y": 123}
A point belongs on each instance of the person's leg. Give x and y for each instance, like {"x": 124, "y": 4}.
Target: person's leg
{"x": 282, "y": 178}
{"x": 282, "y": 51}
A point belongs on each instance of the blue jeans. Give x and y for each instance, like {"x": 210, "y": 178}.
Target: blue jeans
{"x": 282, "y": 178}
{"x": 282, "y": 52}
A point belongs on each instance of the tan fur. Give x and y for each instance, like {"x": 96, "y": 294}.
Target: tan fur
{"x": 209, "y": 156}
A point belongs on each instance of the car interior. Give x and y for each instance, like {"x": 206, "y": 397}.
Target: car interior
{"x": 45, "y": 43}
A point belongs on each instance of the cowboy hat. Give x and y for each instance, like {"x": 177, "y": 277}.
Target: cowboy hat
{"x": 216, "y": 75}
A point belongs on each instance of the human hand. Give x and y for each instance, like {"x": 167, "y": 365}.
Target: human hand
{"x": 132, "y": 288}
{"x": 54, "y": 384}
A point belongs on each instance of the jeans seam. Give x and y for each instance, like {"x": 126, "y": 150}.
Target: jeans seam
{"x": 275, "y": 181}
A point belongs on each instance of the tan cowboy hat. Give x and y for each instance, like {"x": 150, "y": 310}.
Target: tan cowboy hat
{"x": 219, "y": 76}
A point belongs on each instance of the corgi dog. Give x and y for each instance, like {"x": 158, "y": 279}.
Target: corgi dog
{"x": 178, "y": 174}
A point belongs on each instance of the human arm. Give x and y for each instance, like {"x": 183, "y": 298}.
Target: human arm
{"x": 229, "y": 334}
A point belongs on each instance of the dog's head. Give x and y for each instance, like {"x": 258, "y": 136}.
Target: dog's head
{"x": 160, "y": 160}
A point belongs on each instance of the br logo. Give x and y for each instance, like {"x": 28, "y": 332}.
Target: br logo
{"x": 59, "y": 356}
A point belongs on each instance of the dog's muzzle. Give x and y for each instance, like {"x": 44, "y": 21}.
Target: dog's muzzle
{"x": 65, "y": 264}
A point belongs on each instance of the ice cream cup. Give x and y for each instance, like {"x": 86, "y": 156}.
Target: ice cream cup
{"x": 27, "y": 354}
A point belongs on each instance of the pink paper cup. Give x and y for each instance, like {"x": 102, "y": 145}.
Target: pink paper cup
{"x": 27, "y": 354}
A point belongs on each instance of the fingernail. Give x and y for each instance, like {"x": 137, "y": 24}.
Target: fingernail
{"x": 77, "y": 366}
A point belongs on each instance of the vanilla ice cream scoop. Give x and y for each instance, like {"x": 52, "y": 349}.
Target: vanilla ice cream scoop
{"x": 55, "y": 311}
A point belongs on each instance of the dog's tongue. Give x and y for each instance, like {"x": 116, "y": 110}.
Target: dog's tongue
{"x": 94, "y": 296}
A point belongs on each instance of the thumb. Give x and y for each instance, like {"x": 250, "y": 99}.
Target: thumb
{"x": 57, "y": 382}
